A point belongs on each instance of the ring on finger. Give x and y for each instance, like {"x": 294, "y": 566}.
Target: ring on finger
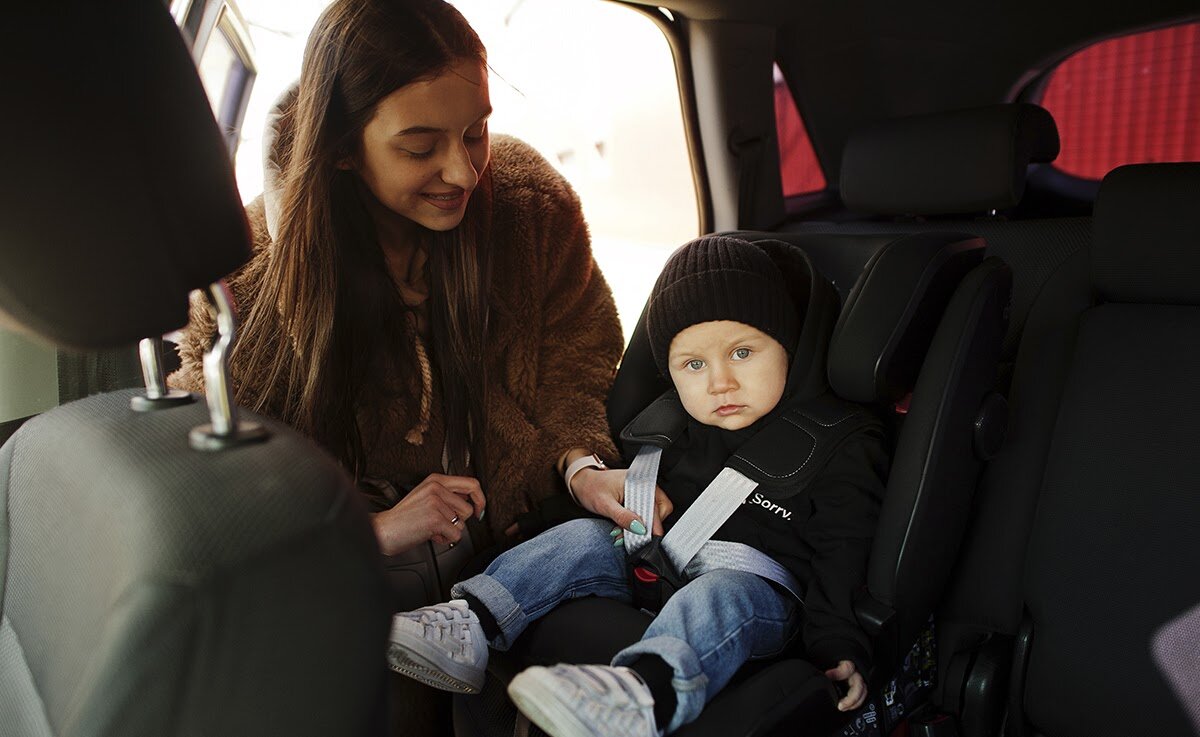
{"x": 454, "y": 520}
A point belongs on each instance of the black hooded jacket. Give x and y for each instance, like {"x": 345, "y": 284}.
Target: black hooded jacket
{"x": 822, "y": 534}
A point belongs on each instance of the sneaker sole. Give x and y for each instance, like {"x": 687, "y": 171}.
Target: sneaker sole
{"x": 402, "y": 661}
{"x": 543, "y": 708}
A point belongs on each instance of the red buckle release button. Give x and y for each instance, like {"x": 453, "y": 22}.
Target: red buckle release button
{"x": 645, "y": 575}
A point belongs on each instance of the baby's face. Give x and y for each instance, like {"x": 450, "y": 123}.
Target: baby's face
{"x": 727, "y": 373}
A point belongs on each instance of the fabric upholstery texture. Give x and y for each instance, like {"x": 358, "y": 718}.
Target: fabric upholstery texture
{"x": 1114, "y": 553}
{"x": 985, "y": 594}
{"x": 153, "y": 588}
{"x": 21, "y": 707}
{"x": 971, "y": 160}
{"x": 1177, "y": 653}
{"x": 1102, "y": 417}
{"x": 1147, "y": 231}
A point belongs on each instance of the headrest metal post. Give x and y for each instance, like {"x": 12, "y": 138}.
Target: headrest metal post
{"x": 156, "y": 381}
{"x": 225, "y": 430}
{"x": 157, "y": 395}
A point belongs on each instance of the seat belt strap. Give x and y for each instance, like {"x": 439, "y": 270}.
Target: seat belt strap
{"x": 717, "y": 503}
{"x": 640, "y": 482}
{"x": 688, "y": 546}
{"x": 722, "y": 554}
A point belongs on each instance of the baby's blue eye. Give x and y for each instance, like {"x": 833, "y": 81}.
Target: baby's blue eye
{"x": 695, "y": 364}
{"x": 741, "y": 354}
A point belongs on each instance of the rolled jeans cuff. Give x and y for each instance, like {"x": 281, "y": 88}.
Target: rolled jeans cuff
{"x": 689, "y": 681}
{"x": 509, "y": 616}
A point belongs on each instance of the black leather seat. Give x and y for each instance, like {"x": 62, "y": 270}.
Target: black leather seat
{"x": 962, "y": 171}
{"x": 1113, "y": 555}
{"x": 148, "y": 587}
{"x": 965, "y": 171}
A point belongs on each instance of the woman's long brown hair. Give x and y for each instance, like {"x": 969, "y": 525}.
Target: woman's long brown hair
{"x": 327, "y": 331}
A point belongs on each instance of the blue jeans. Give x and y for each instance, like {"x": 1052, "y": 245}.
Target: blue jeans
{"x": 706, "y": 631}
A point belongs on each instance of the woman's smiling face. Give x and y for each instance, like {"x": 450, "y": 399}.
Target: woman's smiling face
{"x": 425, "y": 148}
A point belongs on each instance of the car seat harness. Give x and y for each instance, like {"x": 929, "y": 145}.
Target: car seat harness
{"x": 780, "y": 461}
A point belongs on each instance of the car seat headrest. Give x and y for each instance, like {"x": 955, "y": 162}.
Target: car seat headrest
{"x": 119, "y": 194}
{"x": 1146, "y": 227}
{"x": 963, "y": 161}
{"x": 889, "y": 319}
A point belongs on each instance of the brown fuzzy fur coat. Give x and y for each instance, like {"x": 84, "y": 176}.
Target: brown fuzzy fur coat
{"x": 553, "y": 345}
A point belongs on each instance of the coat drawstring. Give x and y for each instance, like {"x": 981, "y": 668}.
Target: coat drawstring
{"x": 416, "y": 435}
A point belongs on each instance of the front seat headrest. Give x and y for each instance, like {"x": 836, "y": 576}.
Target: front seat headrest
{"x": 963, "y": 161}
{"x": 1146, "y": 229}
{"x": 107, "y": 257}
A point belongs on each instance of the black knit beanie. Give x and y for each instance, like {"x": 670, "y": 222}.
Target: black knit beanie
{"x": 719, "y": 278}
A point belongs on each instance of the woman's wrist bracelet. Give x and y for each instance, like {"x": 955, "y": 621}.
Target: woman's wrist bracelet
{"x": 577, "y": 465}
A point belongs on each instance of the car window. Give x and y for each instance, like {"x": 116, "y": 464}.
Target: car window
{"x": 607, "y": 116}
{"x": 798, "y": 166}
{"x": 224, "y": 54}
{"x": 1128, "y": 100}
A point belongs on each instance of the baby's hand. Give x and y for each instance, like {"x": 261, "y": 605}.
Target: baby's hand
{"x": 856, "y": 692}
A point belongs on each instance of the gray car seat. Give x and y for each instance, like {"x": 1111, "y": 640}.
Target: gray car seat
{"x": 157, "y": 576}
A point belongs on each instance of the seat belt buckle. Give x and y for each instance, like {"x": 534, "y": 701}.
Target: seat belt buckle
{"x": 653, "y": 580}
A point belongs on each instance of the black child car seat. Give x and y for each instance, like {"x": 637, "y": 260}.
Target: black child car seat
{"x": 925, "y": 317}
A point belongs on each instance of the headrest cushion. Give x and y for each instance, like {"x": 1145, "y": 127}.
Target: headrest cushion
{"x": 1146, "y": 234}
{"x": 963, "y": 161}
{"x": 891, "y": 315}
{"x": 119, "y": 193}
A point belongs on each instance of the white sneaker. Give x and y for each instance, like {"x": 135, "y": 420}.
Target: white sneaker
{"x": 441, "y": 646}
{"x": 585, "y": 701}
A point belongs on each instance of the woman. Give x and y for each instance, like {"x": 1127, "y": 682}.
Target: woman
{"x": 422, "y": 298}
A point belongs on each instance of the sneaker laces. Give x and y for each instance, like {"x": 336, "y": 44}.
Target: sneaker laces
{"x": 613, "y": 695}
{"x": 449, "y": 625}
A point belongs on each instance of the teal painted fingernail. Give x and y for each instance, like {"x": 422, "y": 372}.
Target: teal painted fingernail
{"x": 481, "y": 513}
{"x": 637, "y": 528}
{"x": 619, "y": 542}
{"x": 615, "y": 531}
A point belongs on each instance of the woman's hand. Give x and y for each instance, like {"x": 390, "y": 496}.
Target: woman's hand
{"x": 435, "y": 510}
{"x": 856, "y": 692}
{"x": 602, "y": 492}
